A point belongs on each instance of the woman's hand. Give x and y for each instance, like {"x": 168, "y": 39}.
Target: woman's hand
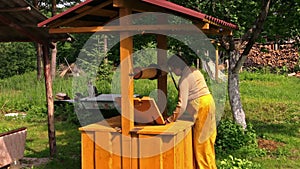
{"x": 171, "y": 118}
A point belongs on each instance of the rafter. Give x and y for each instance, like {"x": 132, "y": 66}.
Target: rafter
{"x": 86, "y": 12}
{"x": 16, "y": 9}
{"x": 20, "y": 29}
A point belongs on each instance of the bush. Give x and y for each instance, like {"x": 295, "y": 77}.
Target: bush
{"x": 236, "y": 163}
{"x": 231, "y": 136}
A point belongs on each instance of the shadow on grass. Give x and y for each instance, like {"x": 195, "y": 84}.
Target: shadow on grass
{"x": 288, "y": 129}
{"x": 68, "y": 147}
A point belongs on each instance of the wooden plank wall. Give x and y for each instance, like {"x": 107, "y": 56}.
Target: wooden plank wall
{"x": 154, "y": 151}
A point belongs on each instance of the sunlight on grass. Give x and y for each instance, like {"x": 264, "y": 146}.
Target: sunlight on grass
{"x": 271, "y": 103}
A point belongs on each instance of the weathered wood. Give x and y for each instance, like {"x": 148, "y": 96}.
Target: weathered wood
{"x": 50, "y": 101}
{"x": 265, "y": 56}
{"x": 17, "y": 9}
{"x": 21, "y": 29}
{"x": 12, "y": 146}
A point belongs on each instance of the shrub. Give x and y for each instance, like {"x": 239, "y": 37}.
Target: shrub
{"x": 232, "y": 136}
{"x": 236, "y": 163}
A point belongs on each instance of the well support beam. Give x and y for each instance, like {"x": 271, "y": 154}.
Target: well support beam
{"x": 126, "y": 49}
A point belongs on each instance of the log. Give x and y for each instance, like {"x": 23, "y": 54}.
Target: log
{"x": 263, "y": 56}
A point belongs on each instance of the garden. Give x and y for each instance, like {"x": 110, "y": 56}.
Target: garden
{"x": 270, "y": 141}
{"x": 262, "y": 47}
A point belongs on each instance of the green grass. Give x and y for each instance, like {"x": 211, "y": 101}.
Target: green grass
{"x": 271, "y": 103}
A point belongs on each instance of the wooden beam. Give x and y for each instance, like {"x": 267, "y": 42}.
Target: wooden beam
{"x": 127, "y": 124}
{"x": 82, "y": 14}
{"x": 217, "y": 63}
{"x": 17, "y": 9}
{"x": 21, "y": 29}
{"x": 202, "y": 26}
{"x": 162, "y": 45}
{"x": 49, "y": 97}
{"x": 106, "y": 13}
{"x": 137, "y": 5}
{"x": 188, "y": 28}
{"x": 162, "y": 81}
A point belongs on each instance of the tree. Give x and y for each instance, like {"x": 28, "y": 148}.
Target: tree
{"x": 237, "y": 59}
{"x": 47, "y": 7}
{"x": 38, "y": 50}
{"x": 244, "y": 43}
{"x": 54, "y": 49}
{"x": 16, "y": 58}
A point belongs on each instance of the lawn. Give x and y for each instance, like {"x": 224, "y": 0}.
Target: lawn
{"x": 271, "y": 103}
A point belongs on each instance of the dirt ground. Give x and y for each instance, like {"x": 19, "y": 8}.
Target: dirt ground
{"x": 269, "y": 145}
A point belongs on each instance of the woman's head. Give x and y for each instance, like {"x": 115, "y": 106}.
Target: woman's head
{"x": 177, "y": 61}
{"x": 176, "y": 64}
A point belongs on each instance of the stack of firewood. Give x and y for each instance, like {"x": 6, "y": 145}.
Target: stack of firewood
{"x": 260, "y": 57}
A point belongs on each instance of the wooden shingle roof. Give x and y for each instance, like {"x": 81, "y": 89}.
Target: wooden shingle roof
{"x": 18, "y": 23}
{"x": 90, "y": 14}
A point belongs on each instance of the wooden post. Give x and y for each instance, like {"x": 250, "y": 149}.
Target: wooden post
{"x": 49, "y": 97}
{"x": 162, "y": 81}
{"x": 126, "y": 48}
{"x": 217, "y": 63}
{"x": 39, "y": 56}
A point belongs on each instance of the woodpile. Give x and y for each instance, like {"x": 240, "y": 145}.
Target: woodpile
{"x": 294, "y": 74}
{"x": 264, "y": 56}
{"x": 69, "y": 70}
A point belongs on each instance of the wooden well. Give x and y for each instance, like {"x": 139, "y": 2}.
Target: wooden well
{"x": 159, "y": 147}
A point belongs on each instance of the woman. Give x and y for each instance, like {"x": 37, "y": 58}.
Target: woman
{"x": 194, "y": 97}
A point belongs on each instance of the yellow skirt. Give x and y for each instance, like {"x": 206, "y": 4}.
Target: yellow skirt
{"x": 204, "y": 132}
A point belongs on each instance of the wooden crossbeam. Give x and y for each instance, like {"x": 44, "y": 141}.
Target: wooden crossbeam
{"x": 188, "y": 28}
{"x": 17, "y": 9}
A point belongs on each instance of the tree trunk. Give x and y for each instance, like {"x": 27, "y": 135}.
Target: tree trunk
{"x": 234, "y": 97}
{"x": 39, "y": 60}
{"x": 39, "y": 51}
{"x": 237, "y": 59}
{"x": 53, "y": 61}
{"x": 54, "y": 50}
{"x": 233, "y": 86}
{"x": 50, "y": 103}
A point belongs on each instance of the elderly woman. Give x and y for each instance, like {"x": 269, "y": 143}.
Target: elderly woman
{"x": 194, "y": 98}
